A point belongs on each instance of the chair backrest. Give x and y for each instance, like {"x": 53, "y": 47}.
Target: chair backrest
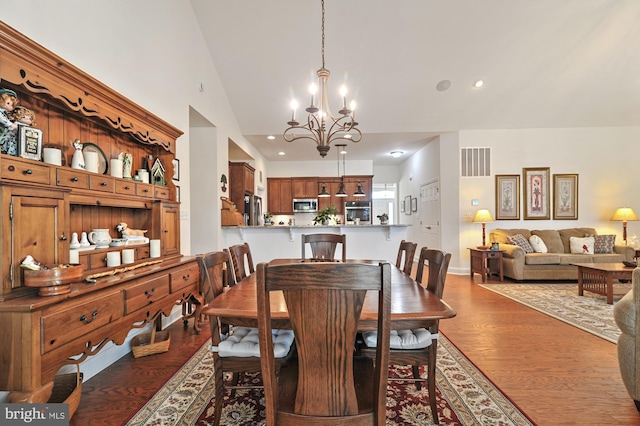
{"x": 230, "y": 277}
{"x": 242, "y": 261}
{"x": 324, "y": 301}
{"x": 212, "y": 275}
{"x": 408, "y": 250}
{"x": 323, "y": 246}
{"x": 437, "y": 265}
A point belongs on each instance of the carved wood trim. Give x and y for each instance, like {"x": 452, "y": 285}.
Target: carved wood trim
{"x": 27, "y": 64}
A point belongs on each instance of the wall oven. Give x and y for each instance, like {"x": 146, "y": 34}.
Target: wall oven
{"x": 357, "y": 212}
{"x": 305, "y": 205}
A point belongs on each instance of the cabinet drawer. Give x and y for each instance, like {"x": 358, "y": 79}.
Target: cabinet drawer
{"x": 125, "y": 187}
{"x": 72, "y": 178}
{"x": 27, "y": 171}
{"x": 64, "y": 326}
{"x": 184, "y": 277}
{"x": 144, "y": 190}
{"x": 145, "y": 293}
{"x": 161, "y": 192}
{"x": 494, "y": 254}
{"x": 101, "y": 183}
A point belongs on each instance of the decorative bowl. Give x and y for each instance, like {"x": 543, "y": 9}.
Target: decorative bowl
{"x": 118, "y": 242}
{"x": 53, "y": 281}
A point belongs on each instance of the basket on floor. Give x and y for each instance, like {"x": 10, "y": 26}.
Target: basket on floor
{"x": 150, "y": 343}
{"x": 67, "y": 388}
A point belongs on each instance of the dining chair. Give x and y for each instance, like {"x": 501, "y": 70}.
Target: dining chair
{"x": 328, "y": 385}
{"x": 242, "y": 261}
{"x": 237, "y": 351}
{"x": 407, "y": 250}
{"x": 323, "y": 246}
{"x": 418, "y": 346}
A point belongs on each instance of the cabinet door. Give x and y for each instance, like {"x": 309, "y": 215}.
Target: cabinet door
{"x": 170, "y": 228}
{"x": 352, "y": 186}
{"x": 279, "y": 196}
{"x": 305, "y": 188}
{"x": 249, "y": 179}
{"x": 37, "y": 229}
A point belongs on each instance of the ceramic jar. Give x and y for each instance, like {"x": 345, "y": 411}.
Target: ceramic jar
{"x": 100, "y": 237}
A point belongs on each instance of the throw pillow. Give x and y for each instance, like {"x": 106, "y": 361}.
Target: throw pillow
{"x": 582, "y": 245}
{"x": 604, "y": 243}
{"x": 521, "y": 241}
{"x": 537, "y": 244}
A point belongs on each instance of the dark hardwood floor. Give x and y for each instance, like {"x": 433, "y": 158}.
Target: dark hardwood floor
{"x": 554, "y": 372}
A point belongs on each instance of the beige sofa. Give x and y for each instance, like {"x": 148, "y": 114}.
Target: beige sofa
{"x": 625, "y": 312}
{"x": 556, "y": 263}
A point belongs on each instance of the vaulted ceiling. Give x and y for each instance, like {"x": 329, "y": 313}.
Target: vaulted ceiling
{"x": 544, "y": 63}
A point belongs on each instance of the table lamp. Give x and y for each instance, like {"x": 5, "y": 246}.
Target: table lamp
{"x": 483, "y": 216}
{"x": 624, "y": 214}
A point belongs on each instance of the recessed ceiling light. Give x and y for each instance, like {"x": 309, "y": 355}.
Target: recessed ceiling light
{"x": 396, "y": 154}
{"x": 281, "y": 153}
{"x": 478, "y": 83}
{"x": 271, "y": 137}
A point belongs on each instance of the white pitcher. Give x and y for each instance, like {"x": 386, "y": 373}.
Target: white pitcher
{"x": 100, "y": 237}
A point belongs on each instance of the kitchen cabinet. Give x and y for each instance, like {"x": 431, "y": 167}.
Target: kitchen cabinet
{"x": 352, "y": 186}
{"x": 279, "y": 196}
{"x": 305, "y": 187}
{"x": 43, "y": 204}
{"x": 241, "y": 183}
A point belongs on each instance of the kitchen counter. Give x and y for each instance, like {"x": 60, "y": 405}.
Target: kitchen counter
{"x": 284, "y": 241}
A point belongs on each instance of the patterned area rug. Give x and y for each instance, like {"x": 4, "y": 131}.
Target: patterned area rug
{"x": 589, "y": 312}
{"x": 465, "y": 397}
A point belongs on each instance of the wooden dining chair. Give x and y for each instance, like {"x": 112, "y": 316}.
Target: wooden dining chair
{"x": 327, "y": 385}
{"x": 241, "y": 260}
{"x": 238, "y": 350}
{"x": 419, "y": 346}
{"x": 323, "y": 246}
{"x": 406, "y": 252}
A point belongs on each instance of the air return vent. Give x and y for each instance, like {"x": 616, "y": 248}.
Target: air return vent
{"x": 475, "y": 162}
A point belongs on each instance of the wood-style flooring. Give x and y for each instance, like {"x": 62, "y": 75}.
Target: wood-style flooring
{"x": 556, "y": 373}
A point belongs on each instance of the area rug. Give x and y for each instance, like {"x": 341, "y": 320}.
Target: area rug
{"x": 464, "y": 396}
{"x": 561, "y": 301}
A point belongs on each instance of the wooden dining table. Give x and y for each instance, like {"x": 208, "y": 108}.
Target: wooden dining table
{"x": 412, "y": 305}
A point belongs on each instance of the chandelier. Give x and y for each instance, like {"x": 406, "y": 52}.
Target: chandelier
{"x": 322, "y": 126}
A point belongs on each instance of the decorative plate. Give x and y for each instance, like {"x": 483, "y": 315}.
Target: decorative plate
{"x": 103, "y": 163}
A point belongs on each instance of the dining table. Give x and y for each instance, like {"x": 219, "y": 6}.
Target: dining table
{"x": 412, "y": 305}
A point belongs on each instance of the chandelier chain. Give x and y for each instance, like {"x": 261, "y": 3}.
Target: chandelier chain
{"x": 322, "y": 33}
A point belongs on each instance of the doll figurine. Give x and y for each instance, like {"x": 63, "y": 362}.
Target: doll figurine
{"x": 8, "y": 128}
{"x": 22, "y": 115}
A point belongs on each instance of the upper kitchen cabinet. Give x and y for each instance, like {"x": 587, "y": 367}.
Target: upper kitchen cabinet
{"x": 279, "y": 196}
{"x": 306, "y": 187}
{"x": 241, "y": 183}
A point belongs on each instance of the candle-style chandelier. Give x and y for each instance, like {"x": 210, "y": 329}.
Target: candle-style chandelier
{"x": 321, "y": 126}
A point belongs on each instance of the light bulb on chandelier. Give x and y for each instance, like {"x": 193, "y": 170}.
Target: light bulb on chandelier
{"x": 321, "y": 126}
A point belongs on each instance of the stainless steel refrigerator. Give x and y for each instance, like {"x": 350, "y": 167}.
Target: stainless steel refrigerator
{"x": 253, "y": 210}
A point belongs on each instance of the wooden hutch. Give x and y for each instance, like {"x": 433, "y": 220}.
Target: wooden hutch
{"x": 43, "y": 204}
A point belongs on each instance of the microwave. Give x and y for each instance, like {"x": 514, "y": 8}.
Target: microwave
{"x": 305, "y": 205}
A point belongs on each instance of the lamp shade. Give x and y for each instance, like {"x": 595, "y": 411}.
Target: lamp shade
{"x": 625, "y": 214}
{"x": 483, "y": 216}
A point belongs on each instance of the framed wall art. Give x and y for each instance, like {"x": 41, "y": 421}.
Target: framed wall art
{"x": 402, "y": 206}
{"x": 565, "y": 197}
{"x": 536, "y": 193}
{"x": 414, "y": 204}
{"x": 407, "y": 205}
{"x": 176, "y": 169}
{"x": 507, "y": 197}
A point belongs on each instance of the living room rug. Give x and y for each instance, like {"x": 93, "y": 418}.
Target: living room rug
{"x": 561, "y": 301}
{"x": 464, "y": 396}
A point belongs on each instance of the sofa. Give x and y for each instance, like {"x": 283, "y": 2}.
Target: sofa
{"x": 625, "y": 313}
{"x": 553, "y": 254}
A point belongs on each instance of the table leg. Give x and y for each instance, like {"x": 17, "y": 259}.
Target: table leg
{"x": 580, "y": 282}
{"x": 609, "y": 289}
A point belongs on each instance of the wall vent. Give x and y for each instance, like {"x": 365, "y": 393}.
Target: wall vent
{"x": 475, "y": 162}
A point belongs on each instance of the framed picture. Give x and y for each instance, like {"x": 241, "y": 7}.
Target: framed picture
{"x": 536, "y": 193}
{"x": 402, "y": 206}
{"x": 176, "y": 169}
{"x": 29, "y": 143}
{"x": 407, "y": 205}
{"x": 414, "y": 204}
{"x": 177, "y": 193}
{"x": 565, "y": 197}
{"x": 507, "y": 197}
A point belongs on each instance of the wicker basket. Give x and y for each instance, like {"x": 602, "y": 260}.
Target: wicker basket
{"x": 67, "y": 388}
{"x": 150, "y": 343}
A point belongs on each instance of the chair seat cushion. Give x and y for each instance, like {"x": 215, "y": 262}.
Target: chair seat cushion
{"x": 418, "y": 338}
{"x": 244, "y": 342}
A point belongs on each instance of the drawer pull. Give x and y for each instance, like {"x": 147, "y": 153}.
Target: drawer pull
{"x": 127, "y": 188}
{"x": 11, "y": 168}
{"x": 145, "y": 190}
{"x": 186, "y": 277}
{"x": 149, "y": 293}
{"x": 28, "y": 172}
{"x": 165, "y": 231}
{"x": 103, "y": 184}
{"x": 74, "y": 179}
{"x": 86, "y": 320}
{"x": 63, "y": 238}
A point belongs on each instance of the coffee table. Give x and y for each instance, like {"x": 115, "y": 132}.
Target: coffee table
{"x": 598, "y": 277}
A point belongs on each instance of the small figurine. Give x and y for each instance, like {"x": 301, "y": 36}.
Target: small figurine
{"x": 22, "y": 115}
{"x": 8, "y": 128}
{"x": 77, "y": 162}
{"x": 126, "y": 232}
{"x": 127, "y": 162}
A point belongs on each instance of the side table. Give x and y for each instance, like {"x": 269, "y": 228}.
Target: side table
{"x": 486, "y": 262}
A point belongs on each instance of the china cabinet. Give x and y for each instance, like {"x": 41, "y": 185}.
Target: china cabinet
{"x": 44, "y": 204}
